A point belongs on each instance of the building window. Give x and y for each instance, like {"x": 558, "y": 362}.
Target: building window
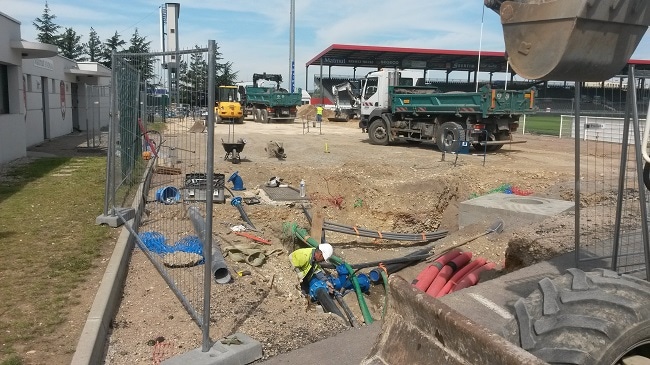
{"x": 53, "y": 86}
{"x": 4, "y": 90}
{"x": 29, "y": 83}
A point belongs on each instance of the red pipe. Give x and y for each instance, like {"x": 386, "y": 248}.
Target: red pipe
{"x": 480, "y": 261}
{"x": 473, "y": 277}
{"x": 447, "y": 271}
{"x": 426, "y": 276}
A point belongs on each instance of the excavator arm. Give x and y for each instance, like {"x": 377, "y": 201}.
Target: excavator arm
{"x": 572, "y": 40}
{"x": 354, "y": 99}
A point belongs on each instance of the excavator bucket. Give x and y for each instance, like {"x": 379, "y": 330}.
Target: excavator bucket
{"x": 572, "y": 40}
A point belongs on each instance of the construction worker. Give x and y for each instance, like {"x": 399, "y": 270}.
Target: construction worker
{"x": 319, "y": 113}
{"x": 305, "y": 263}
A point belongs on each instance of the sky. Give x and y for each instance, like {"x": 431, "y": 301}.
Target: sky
{"x": 255, "y": 34}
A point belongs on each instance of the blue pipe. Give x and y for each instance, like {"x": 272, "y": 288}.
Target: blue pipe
{"x": 343, "y": 280}
{"x": 237, "y": 182}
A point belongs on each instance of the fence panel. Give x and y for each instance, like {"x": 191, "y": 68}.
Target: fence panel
{"x": 158, "y": 132}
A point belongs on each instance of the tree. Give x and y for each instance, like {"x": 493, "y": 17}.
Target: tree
{"x": 193, "y": 79}
{"x": 142, "y": 63}
{"x": 113, "y": 43}
{"x": 225, "y": 74}
{"x": 94, "y": 47}
{"x": 46, "y": 27}
{"x": 70, "y": 45}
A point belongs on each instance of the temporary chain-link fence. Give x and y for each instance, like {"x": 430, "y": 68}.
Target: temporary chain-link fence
{"x": 612, "y": 206}
{"x": 96, "y": 113}
{"x": 162, "y": 116}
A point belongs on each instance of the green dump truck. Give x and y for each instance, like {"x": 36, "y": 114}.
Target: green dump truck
{"x": 394, "y": 107}
{"x": 270, "y": 103}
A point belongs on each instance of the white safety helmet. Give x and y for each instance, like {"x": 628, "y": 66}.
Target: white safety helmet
{"x": 326, "y": 249}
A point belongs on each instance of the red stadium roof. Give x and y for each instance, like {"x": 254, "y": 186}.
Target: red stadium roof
{"x": 346, "y": 55}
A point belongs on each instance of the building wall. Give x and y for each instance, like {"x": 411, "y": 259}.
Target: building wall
{"x": 12, "y": 124}
{"x": 49, "y": 98}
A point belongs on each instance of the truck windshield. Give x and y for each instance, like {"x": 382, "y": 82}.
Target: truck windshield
{"x": 370, "y": 87}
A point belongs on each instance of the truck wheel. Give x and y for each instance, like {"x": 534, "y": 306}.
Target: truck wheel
{"x": 265, "y": 116}
{"x": 449, "y": 136}
{"x": 378, "y": 132}
{"x": 258, "y": 115}
{"x": 594, "y": 318}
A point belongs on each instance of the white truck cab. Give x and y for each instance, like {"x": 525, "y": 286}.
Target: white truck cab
{"x": 375, "y": 88}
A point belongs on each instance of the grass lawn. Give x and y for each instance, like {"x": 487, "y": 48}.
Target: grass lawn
{"x": 542, "y": 124}
{"x": 49, "y": 243}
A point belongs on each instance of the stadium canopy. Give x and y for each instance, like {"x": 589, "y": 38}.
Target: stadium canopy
{"x": 355, "y": 56}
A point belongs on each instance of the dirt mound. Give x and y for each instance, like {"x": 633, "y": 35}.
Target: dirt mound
{"x": 308, "y": 111}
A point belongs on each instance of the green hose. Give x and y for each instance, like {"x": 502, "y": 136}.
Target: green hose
{"x": 384, "y": 276}
{"x": 303, "y": 236}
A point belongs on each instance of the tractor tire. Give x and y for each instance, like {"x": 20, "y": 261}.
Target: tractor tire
{"x": 593, "y": 318}
{"x": 448, "y": 137}
{"x": 378, "y": 132}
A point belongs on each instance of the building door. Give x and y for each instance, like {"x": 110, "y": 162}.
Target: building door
{"x": 75, "y": 107}
{"x": 46, "y": 107}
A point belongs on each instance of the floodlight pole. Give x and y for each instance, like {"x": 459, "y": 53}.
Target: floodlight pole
{"x": 480, "y": 46}
{"x": 292, "y": 48}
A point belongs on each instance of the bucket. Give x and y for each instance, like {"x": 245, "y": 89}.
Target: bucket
{"x": 168, "y": 195}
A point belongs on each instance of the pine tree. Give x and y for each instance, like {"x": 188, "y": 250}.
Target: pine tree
{"x": 113, "y": 43}
{"x": 94, "y": 47}
{"x": 144, "y": 64}
{"x": 70, "y": 45}
{"x": 194, "y": 79}
{"x": 46, "y": 27}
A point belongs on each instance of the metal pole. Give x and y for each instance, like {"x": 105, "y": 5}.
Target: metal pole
{"x": 480, "y": 44}
{"x": 577, "y": 155}
{"x": 292, "y": 49}
{"x": 109, "y": 196}
{"x": 87, "y": 125}
{"x": 207, "y": 249}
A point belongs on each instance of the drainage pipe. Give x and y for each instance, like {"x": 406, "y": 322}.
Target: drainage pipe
{"x": 236, "y": 202}
{"x": 219, "y": 268}
{"x": 303, "y": 236}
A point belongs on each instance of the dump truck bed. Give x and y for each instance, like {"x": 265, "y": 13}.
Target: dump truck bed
{"x": 272, "y": 97}
{"x": 487, "y": 101}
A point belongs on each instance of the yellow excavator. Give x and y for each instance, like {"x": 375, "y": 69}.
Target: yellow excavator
{"x": 228, "y": 109}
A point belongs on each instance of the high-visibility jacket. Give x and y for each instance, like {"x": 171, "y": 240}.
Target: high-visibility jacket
{"x": 319, "y": 110}
{"x": 304, "y": 263}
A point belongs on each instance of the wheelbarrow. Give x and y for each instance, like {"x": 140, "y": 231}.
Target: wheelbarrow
{"x": 233, "y": 149}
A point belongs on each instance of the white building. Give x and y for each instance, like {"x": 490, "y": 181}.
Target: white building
{"x": 43, "y": 95}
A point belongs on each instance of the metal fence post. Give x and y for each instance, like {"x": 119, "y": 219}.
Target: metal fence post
{"x": 207, "y": 281}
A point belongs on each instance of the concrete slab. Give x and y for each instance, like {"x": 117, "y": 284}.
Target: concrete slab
{"x": 348, "y": 347}
{"x": 237, "y": 349}
{"x": 511, "y": 208}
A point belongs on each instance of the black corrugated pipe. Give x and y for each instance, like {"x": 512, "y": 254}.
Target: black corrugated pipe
{"x": 347, "y": 310}
{"x": 398, "y": 260}
{"x": 364, "y": 232}
{"x": 236, "y": 202}
{"x": 325, "y": 300}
